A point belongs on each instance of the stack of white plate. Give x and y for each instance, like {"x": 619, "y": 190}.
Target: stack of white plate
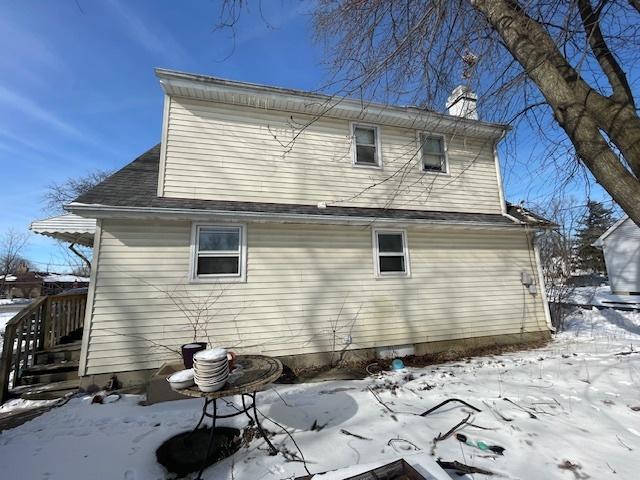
{"x": 211, "y": 369}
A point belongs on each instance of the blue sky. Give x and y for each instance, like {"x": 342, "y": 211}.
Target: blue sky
{"x": 78, "y": 92}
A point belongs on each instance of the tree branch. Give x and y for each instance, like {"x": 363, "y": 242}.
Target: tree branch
{"x": 73, "y": 248}
{"x": 563, "y": 89}
{"x": 610, "y": 66}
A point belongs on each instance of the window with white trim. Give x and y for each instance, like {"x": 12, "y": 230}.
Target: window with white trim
{"x": 219, "y": 251}
{"x": 366, "y": 146}
{"x": 391, "y": 254}
{"x": 434, "y": 153}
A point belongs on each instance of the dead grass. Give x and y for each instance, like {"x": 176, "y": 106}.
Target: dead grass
{"x": 359, "y": 368}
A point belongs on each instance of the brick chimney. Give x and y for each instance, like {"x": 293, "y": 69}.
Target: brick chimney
{"x": 463, "y": 103}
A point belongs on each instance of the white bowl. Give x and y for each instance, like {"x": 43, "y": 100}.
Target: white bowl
{"x": 215, "y": 376}
{"x": 213, "y": 387}
{"x": 211, "y": 355}
{"x": 210, "y": 369}
{"x": 212, "y": 379}
{"x": 211, "y": 373}
{"x": 182, "y": 379}
{"x": 211, "y": 363}
{"x": 201, "y": 382}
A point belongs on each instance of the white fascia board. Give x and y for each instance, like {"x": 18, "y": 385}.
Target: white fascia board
{"x": 262, "y": 96}
{"x": 496, "y": 159}
{"x": 600, "y": 241}
{"x": 105, "y": 211}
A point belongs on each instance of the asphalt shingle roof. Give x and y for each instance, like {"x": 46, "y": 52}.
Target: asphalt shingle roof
{"x": 135, "y": 185}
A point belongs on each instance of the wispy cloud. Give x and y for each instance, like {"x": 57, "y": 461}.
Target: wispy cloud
{"x": 33, "y": 111}
{"x": 25, "y": 53}
{"x": 27, "y": 106}
{"x": 157, "y": 40}
{"x": 10, "y": 141}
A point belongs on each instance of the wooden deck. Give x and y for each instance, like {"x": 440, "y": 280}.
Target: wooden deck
{"x": 41, "y": 346}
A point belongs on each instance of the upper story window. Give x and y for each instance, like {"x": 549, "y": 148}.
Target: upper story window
{"x": 391, "y": 253}
{"x": 366, "y": 146}
{"x": 434, "y": 153}
{"x": 219, "y": 252}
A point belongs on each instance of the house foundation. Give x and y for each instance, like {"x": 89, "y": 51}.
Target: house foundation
{"x": 310, "y": 360}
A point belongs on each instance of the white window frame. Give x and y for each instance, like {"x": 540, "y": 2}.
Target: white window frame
{"x": 444, "y": 146}
{"x": 377, "y": 254}
{"x": 241, "y": 276}
{"x": 354, "y": 149}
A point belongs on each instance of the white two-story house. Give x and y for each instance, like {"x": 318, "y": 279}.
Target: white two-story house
{"x": 297, "y": 225}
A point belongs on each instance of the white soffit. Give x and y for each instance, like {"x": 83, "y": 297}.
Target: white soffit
{"x": 219, "y": 90}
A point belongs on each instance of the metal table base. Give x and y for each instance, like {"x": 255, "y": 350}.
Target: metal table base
{"x": 214, "y": 416}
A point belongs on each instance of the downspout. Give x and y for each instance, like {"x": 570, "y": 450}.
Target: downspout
{"x": 88, "y": 314}
{"x": 543, "y": 290}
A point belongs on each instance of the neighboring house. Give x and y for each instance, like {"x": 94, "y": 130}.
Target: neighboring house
{"x": 24, "y": 284}
{"x": 621, "y": 247}
{"x": 53, "y": 283}
{"x": 372, "y": 228}
{"x": 34, "y": 284}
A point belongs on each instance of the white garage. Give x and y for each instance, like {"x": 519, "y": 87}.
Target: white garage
{"x": 621, "y": 247}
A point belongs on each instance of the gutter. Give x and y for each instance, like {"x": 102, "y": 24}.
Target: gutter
{"x": 109, "y": 211}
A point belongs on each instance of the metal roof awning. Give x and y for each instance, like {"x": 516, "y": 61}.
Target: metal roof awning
{"x": 68, "y": 228}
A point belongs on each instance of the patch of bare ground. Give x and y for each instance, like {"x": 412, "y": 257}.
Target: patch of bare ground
{"x": 363, "y": 368}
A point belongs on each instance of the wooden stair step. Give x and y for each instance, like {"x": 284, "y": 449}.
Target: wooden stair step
{"x": 64, "y": 366}
{"x": 59, "y": 353}
{"x": 49, "y": 373}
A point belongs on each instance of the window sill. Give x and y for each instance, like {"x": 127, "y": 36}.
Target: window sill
{"x": 392, "y": 275}
{"x": 434, "y": 172}
{"x": 217, "y": 280}
{"x": 367, "y": 166}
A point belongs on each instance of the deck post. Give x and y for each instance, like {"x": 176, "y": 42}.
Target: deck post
{"x": 6, "y": 360}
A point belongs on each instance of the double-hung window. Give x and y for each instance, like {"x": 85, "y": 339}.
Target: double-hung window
{"x": 434, "y": 153}
{"x": 366, "y": 146}
{"x": 391, "y": 255}
{"x": 219, "y": 251}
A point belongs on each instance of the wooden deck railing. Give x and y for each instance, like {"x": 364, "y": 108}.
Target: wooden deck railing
{"x": 38, "y": 326}
{"x": 65, "y": 314}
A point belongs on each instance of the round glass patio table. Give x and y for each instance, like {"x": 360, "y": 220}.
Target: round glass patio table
{"x": 251, "y": 374}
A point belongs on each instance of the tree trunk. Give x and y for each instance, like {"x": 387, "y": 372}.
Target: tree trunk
{"x": 579, "y": 110}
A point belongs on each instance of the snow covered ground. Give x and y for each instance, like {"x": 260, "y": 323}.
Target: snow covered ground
{"x": 601, "y": 296}
{"x": 570, "y": 410}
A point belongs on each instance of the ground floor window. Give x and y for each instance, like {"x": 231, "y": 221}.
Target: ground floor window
{"x": 218, "y": 252}
{"x": 390, "y": 253}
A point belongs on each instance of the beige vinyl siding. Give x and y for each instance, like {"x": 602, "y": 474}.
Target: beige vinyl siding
{"x": 223, "y": 152}
{"x": 463, "y": 283}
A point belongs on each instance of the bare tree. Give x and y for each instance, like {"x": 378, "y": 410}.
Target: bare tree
{"x": 57, "y": 196}
{"x": 558, "y": 255}
{"x": 200, "y": 311}
{"x": 549, "y": 63}
{"x": 12, "y": 245}
{"x": 341, "y": 329}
